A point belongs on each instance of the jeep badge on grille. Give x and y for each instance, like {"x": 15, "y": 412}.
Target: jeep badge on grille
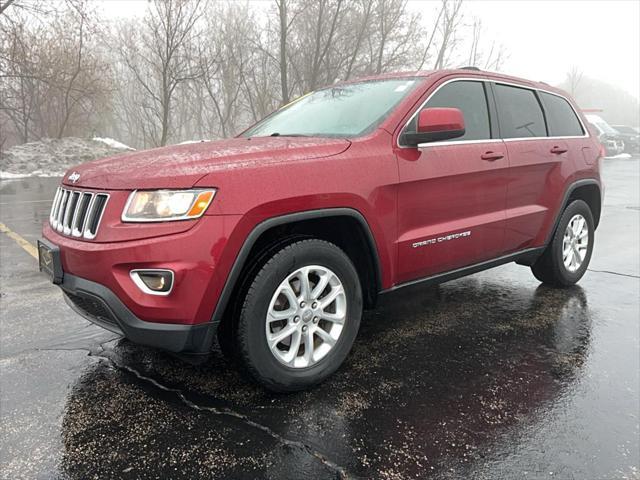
{"x": 74, "y": 177}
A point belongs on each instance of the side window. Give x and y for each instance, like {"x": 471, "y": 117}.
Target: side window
{"x": 562, "y": 119}
{"x": 470, "y": 98}
{"x": 519, "y": 112}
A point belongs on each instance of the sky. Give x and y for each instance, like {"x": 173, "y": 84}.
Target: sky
{"x": 543, "y": 38}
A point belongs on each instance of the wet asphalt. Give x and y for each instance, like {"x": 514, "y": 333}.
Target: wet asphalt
{"x": 488, "y": 377}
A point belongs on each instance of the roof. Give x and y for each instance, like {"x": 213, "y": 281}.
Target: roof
{"x": 457, "y": 71}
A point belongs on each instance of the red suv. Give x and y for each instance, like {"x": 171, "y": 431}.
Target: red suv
{"x": 272, "y": 243}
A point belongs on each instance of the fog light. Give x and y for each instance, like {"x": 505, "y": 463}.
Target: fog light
{"x": 154, "y": 281}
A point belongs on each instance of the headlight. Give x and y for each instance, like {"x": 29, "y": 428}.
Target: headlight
{"x": 166, "y": 205}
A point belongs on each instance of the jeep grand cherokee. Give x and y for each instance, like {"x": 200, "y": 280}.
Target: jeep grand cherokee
{"x": 272, "y": 243}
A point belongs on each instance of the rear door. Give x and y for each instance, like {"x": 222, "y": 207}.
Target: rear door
{"x": 452, "y": 194}
{"x": 539, "y": 164}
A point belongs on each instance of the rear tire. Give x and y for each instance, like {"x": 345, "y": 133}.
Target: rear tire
{"x": 293, "y": 333}
{"x": 567, "y": 256}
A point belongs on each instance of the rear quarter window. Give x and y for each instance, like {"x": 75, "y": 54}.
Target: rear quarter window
{"x": 519, "y": 112}
{"x": 561, "y": 117}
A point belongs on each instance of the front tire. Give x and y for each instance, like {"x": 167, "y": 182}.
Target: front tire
{"x": 567, "y": 257}
{"x": 300, "y": 316}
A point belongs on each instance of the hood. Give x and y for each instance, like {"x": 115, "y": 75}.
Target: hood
{"x": 181, "y": 166}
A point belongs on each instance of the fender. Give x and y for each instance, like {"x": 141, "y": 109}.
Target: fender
{"x": 265, "y": 225}
{"x": 565, "y": 201}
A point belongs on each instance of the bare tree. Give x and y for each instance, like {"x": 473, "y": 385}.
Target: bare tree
{"x": 23, "y": 6}
{"x": 430, "y": 41}
{"x": 475, "y": 41}
{"x": 574, "y": 77}
{"x": 284, "y": 24}
{"x": 198, "y": 69}
{"x": 52, "y": 84}
{"x": 362, "y": 14}
{"x": 159, "y": 57}
{"x": 450, "y": 23}
{"x": 479, "y": 57}
{"x": 223, "y": 57}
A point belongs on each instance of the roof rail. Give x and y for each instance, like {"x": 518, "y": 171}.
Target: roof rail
{"x": 470, "y": 68}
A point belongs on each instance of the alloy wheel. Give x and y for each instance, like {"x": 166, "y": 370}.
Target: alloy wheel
{"x": 575, "y": 243}
{"x": 306, "y": 316}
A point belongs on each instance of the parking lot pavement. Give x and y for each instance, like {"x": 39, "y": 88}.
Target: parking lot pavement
{"x": 491, "y": 376}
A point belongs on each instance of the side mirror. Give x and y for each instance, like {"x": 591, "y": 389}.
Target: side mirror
{"x": 436, "y": 124}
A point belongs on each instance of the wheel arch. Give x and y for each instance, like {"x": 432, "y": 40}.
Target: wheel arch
{"x": 591, "y": 194}
{"x": 587, "y": 190}
{"x": 274, "y": 232}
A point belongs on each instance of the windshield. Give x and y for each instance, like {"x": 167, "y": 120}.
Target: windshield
{"x": 601, "y": 124}
{"x": 606, "y": 128}
{"x": 625, "y": 129}
{"x": 341, "y": 111}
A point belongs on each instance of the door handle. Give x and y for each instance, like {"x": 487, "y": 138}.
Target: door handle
{"x": 558, "y": 150}
{"x": 491, "y": 156}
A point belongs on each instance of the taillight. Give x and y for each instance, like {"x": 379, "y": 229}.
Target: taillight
{"x": 602, "y": 153}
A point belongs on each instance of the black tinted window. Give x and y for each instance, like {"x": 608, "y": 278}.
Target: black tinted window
{"x": 470, "y": 98}
{"x": 519, "y": 112}
{"x": 560, "y": 116}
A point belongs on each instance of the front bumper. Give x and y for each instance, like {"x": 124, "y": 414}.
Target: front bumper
{"x": 198, "y": 257}
{"x": 96, "y": 281}
{"x": 101, "y": 306}
{"x": 631, "y": 145}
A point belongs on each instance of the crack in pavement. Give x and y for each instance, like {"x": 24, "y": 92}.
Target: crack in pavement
{"x": 614, "y": 273}
{"x": 104, "y": 354}
{"x": 340, "y": 471}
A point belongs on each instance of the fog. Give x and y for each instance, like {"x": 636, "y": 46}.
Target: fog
{"x": 546, "y": 38}
{"x": 74, "y": 68}
{"x": 543, "y": 38}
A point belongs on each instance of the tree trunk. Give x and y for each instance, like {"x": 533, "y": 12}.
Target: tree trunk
{"x": 284, "y": 81}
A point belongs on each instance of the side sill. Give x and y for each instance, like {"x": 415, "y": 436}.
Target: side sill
{"x": 524, "y": 257}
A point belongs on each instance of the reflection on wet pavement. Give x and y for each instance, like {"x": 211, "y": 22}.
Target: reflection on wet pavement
{"x": 491, "y": 376}
{"x": 423, "y": 387}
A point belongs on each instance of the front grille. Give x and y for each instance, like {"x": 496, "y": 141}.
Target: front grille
{"x": 76, "y": 213}
{"x": 93, "y": 307}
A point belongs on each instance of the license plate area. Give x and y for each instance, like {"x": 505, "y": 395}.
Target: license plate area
{"x": 49, "y": 261}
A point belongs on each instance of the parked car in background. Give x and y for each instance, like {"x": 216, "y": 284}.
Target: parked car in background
{"x": 631, "y": 137}
{"x": 609, "y": 137}
{"x": 275, "y": 241}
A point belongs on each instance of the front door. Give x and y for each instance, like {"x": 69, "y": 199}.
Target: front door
{"x": 452, "y": 194}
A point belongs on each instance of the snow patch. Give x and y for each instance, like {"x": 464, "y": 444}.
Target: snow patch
{"x": 9, "y": 175}
{"x": 187, "y": 142}
{"x": 112, "y": 143}
{"x": 52, "y": 157}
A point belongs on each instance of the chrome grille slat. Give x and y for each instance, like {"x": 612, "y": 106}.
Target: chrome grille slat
{"x": 62, "y": 209}
{"x": 94, "y": 215}
{"x": 80, "y": 218}
{"x": 58, "y": 207}
{"x": 77, "y": 213}
{"x": 56, "y": 200}
{"x": 72, "y": 203}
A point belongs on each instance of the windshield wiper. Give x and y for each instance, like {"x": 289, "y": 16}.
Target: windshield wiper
{"x": 277, "y": 134}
